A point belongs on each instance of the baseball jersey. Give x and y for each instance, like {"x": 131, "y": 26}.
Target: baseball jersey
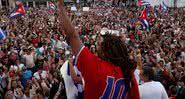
{"x": 104, "y": 80}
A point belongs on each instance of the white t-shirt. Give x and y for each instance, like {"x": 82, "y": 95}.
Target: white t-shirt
{"x": 152, "y": 90}
{"x": 62, "y": 44}
{"x": 183, "y": 55}
{"x": 29, "y": 60}
{"x": 158, "y": 57}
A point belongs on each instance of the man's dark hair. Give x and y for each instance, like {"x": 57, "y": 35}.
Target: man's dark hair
{"x": 173, "y": 90}
{"x": 115, "y": 51}
{"x": 148, "y": 72}
{"x": 40, "y": 92}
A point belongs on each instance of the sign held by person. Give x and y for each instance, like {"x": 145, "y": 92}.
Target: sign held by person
{"x": 73, "y": 8}
{"x": 86, "y": 9}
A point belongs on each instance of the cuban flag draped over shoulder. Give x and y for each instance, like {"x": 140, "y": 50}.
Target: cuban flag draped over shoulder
{"x": 73, "y": 89}
{"x": 142, "y": 3}
{"x": 2, "y": 35}
{"x": 18, "y": 11}
{"x": 143, "y": 19}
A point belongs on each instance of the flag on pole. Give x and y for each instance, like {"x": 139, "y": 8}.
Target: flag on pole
{"x": 143, "y": 18}
{"x": 2, "y": 35}
{"x": 142, "y": 3}
{"x": 163, "y": 7}
{"x": 17, "y": 12}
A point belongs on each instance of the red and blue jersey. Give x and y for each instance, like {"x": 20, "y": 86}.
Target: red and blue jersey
{"x": 104, "y": 80}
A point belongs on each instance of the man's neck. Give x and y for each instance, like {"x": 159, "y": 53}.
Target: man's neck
{"x": 146, "y": 81}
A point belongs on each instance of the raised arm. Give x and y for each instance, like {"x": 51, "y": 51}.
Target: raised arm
{"x": 138, "y": 59}
{"x": 72, "y": 35}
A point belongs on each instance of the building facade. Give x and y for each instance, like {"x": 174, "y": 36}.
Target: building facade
{"x": 34, "y": 3}
{"x": 28, "y": 3}
{"x": 7, "y": 3}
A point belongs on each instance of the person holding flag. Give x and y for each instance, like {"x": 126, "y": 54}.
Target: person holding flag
{"x": 111, "y": 74}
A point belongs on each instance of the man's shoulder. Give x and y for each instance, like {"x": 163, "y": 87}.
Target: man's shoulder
{"x": 151, "y": 84}
{"x": 157, "y": 83}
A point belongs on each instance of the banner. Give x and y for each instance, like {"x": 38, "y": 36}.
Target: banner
{"x": 73, "y": 9}
{"x": 86, "y": 8}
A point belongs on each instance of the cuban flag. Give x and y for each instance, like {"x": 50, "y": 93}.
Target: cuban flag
{"x": 2, "y": 35}
{"x": 142, "y": 3}
{"x": 17, "y": 12}
{"x": 163, "y": 7}
{"x": 73, "y": 89}
{"x": 143, "y": 18}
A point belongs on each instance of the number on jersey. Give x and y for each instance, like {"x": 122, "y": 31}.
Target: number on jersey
{"x": 115, "y": 89}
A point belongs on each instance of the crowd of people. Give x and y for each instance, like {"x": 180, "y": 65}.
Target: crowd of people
{"x": 36, "y": 47}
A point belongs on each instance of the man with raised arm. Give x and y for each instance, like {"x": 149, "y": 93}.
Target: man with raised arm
{"x": 111, "y": 74}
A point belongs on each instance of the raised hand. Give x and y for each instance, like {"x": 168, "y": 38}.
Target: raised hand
{"x": 69, "y": 29}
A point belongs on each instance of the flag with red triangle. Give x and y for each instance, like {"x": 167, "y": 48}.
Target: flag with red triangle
{"x": 143, "y": 18}
{"x": 144, "y": 15}
{"x": 17, "y": 12}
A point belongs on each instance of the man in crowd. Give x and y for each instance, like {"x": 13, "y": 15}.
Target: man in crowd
{"x": 151, "y": 89}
